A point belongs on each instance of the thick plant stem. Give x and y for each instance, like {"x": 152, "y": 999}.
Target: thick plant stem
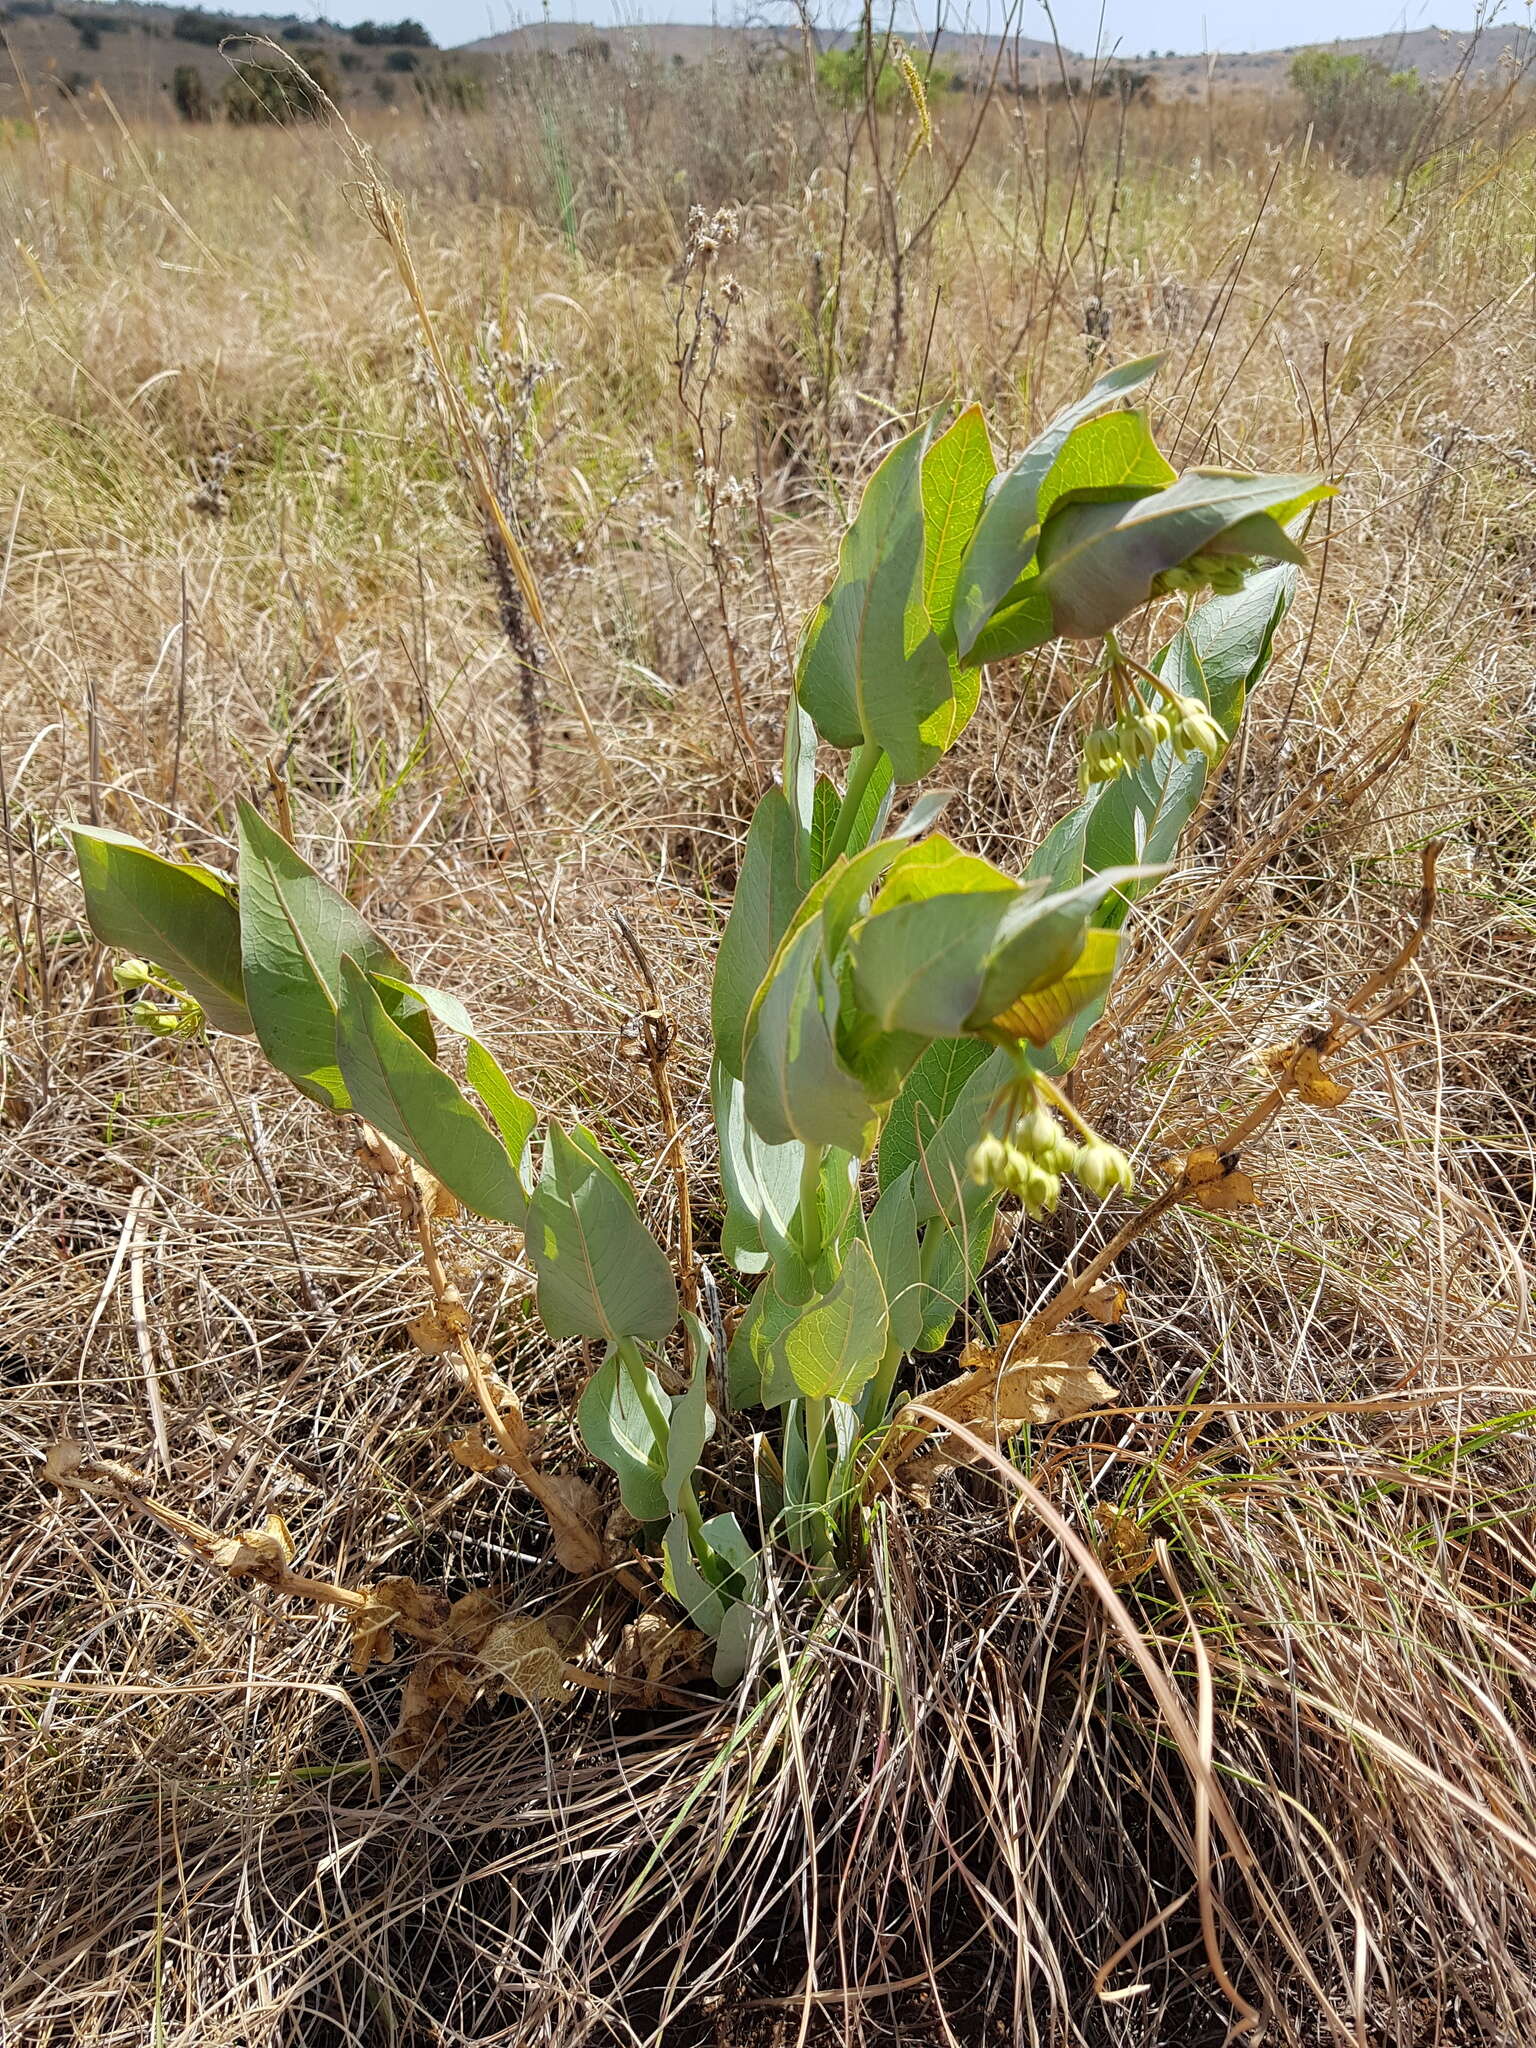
{"x": 808, "y": 1214}
{"x": 877, "y": 1398}
{"x": 861, "y": 772}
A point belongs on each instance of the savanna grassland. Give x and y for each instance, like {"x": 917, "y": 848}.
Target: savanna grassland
{"x": 245, "y": 553}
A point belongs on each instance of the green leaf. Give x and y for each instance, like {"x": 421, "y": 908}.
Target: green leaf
{"x": 1106, "y": 459}
{"x": 1097, "y": 562}
{"x": 872, "y": 668}
{"x": 928, "y": 1095}
{"x": 1039, "y": 942}
{"x": 1041, "y": 1013}
{"x": 513, "y": 1115}
{"x": 176, "y": 914}
{"x": 956, "y": 473}
{"x": 1005, "y": 537}
{"x": 939, "y": 1184}
{"x": 617, "y": 1417}
{"x": 767, "y": 895}
{"x": 600, "y": 1272}
{"x": 895, "y": 1247}
{"x": 796, "y": 1086}
{"x": 394, "y": 1085}
{"x": 1218, "y": 657}
{"x": 761, "y": 1182}
{"x": 835, "y": 1344}
{"x": 295, "y": 931}
{"x": 953, "y": 1255}
{"x": 736, "y": 1634}
{"x": 711, "y": 1574}
{"x": 756, "y": 1377}
{"x": 691, "y": 1422}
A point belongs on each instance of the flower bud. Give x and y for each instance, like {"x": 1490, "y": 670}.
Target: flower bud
{"x": 132, "y": 973}
{"x": 1038, "y": 1190}
{"x": 1041, "y": 1136}
{"x": 150, "y": 1017}
{"x": 1101, "y": 1167}
{"x": 1196, "y": 732}
{"x": 987, "y": 1162}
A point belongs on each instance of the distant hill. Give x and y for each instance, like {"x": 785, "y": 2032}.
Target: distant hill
{"x": 64, "y": 47}
{"x": 1433, "y": 53}
{"x": 133, "y": 50}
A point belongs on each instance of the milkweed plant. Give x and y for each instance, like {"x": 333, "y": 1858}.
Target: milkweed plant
{"x": 891, "y": 1014}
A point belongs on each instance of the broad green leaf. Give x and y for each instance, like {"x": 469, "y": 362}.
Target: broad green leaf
{"x": 175, "y": 914}
{"x": 1097, "y": 562}
{"x": 1106, "y": 459}
{"x": 1043, "y": 1012}
{"x": 872, "y": 668}
{"x": 1022, "y": 622}
{"x": 761, "y": 1182}
{"x": 767, "y": 894}
{"x": 919, "y": 966}
{"x": 953, "y": 1255}
{"x": 957, "y": 471}
{"x": 1005, "y": 537}
{"x": 895, "y": 1247}
{"x": 295, "y": 930}
{"x": 397, "y": 1088}
{"x": 513, "y": 1115}
{"x": 754, "y": 1374}
{"x": 1039, "y": 942}
{"x": 928, "y": 1095}
{"x": 617, "y": 1415}
{"x": 600, "y": 1272}
{"x": 736, "y": 1635}
{"x": 796, "y": 1086}
{"x": 691, "y": 1422}
{"x": 939, "y": 1183}
{"x": 836, "y": 1343}
{"x": 711, "y": 1574}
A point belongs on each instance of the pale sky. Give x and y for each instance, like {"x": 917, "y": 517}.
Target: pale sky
{"x": 1132, "y": 26}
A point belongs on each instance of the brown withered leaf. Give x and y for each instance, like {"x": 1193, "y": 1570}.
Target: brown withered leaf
{"x": 439, "y": 1328}
{"x": 1200, "y": 1165}
{"x": 473, "y": 1452}
{"x": 433, "y": 1701}
{"x": 1234, "y": 1190}
{"x": 441, "y": 1205}
{"x": 1299, "y": 1069}
{"x": 1315, "y": 1085}
{"x": 578, "y": 1543}
{"x": 1124, "y": 1545}
{"x": 393, "y": 1604}
{"x": 263, "y": 1553}
{"x": 1006, "y": 1390}
{"x": 658, "y": 1651}
{"x": 1106, "y": 1302}
{"x": 68, "y": 1465}
{"x": 520, "y": 1655}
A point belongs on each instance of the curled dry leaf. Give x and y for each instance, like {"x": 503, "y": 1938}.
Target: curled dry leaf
{"x": 67, "y": 1465}
{"x": 658, "y": 1651}
{"x": 263, "y": 1553}
{"x": 520, "y": 1655}
{"x": 1234, "y": 1190}
{"x": 1009, "y": 1390}
{"x": 394, "y": 1605}
{"x": 1215, "y": 1180}
{"x": 1124, "y": 1545}
{"x": 439, "y": 1328}
{"x": 440, "y": 1204}
{"x": 473, "y": 1453}
{"x": 1106, "y": 1302}
{"x": 1299, "y": 1070}
{"x": 578, "y": 1542}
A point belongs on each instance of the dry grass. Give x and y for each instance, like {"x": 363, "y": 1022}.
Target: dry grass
{"x": 952, "y": 1809}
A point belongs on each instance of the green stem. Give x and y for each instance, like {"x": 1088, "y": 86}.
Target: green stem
{"x": 808, "y": 1214}
{"x": 877, "y": 1398}
{"x": 820, "y": 1478}
{"x": 861, "y": 772}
